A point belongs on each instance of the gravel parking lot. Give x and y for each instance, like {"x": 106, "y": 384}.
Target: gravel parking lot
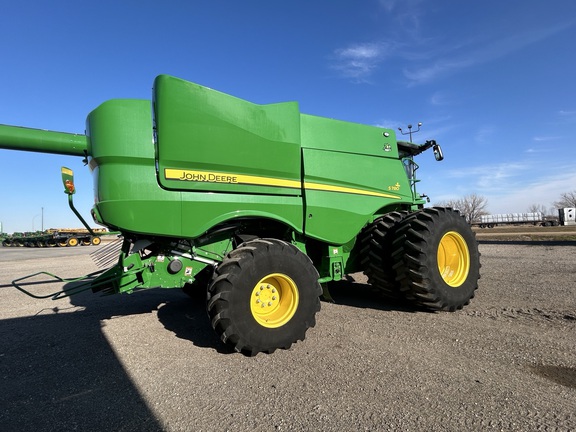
{"x": 150, "y": 361}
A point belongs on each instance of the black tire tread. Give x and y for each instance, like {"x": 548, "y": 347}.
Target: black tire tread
{"x": 223, "y": 283}
{"x": 414, "y": 266}
{"x": 376, "y": 254}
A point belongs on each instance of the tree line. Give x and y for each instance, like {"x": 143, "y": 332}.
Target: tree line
{"x": 473, "y": 206}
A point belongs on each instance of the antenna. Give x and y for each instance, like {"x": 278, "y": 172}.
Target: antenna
{"x": 410, "y": 130}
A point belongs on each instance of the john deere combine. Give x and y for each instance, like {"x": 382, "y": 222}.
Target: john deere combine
{"x": 260, "y": 206}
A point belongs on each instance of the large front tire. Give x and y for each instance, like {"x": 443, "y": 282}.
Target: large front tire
{"x": 264, "y": 296}
{"x": 437, "y": 259}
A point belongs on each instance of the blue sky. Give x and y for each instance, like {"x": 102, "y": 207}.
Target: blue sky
{"x": 493, "y": 82}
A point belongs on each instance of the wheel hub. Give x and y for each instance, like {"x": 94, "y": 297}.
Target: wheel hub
{"x": 274, "y": 300}
{"x": 453, "y": 259}
{"x": 267, "y": 296}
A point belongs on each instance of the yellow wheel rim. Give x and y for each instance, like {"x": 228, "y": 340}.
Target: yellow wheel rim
{"x": 72, "y": 242}
{"x": 274, "y": 300}
{"x": 96, "y": 241}
{"x": 453, "y": 259}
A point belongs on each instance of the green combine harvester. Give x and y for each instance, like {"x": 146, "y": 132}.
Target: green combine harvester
{"x": 259, "y": 206}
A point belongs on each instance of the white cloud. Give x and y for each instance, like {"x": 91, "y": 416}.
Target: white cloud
{"x": 440, "y": 98}
{"x": 567, "y": 117}
{"x": 439, "y": 68}
{"x": 388, "y": 5}
{"x": 484, "y": 134}
{"x": 508, "y": 187}
{"x": 389, "y": 123}
{"x": 429, "y": 57}
{"x": 358, "y": 61}
{"x": 546, "y": 138}
{"x": 544, "y": 191}
{"x": 478, "y": 52}
{"x": 494, "y": 177}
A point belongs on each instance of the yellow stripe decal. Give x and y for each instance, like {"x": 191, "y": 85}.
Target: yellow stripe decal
{"x": 215, "y": 177}
{"x": 323, "y": 187}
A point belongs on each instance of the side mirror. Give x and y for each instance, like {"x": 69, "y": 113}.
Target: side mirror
{"x": 438, "y": 152}
{"x": 68, "y": 181}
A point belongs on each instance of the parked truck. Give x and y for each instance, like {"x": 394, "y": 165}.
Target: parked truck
{"x": 567, "y": 216}
{"x": 259, "y": 206}
{"x": 531, "y": 218}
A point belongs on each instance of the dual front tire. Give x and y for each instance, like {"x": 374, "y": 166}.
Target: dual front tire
{"x": 429, "y": 258}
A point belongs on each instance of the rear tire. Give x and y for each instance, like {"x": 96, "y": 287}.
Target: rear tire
{"x": 437, "y": 259}
{"x": 264, "y": 296}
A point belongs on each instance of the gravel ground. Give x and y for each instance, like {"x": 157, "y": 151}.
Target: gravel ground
{"x": 150, "y": 361}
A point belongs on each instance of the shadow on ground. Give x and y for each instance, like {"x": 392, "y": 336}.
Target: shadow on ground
{"x": 187, "y": 318}
{"x": 58, "y": 372}
{"x": 351, "y": 293}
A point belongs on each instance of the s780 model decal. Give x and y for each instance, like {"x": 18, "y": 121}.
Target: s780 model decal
{"x": 217, "y": 177}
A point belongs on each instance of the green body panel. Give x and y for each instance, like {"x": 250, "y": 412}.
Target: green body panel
{"x": 222, "y": 138}
{"x": 336, "y": 135}
{"x": 351, "y": 171}
{"x": 127, "y": 195}
{"x": 42, "y": 141}
{"x": 230, "y": 158}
